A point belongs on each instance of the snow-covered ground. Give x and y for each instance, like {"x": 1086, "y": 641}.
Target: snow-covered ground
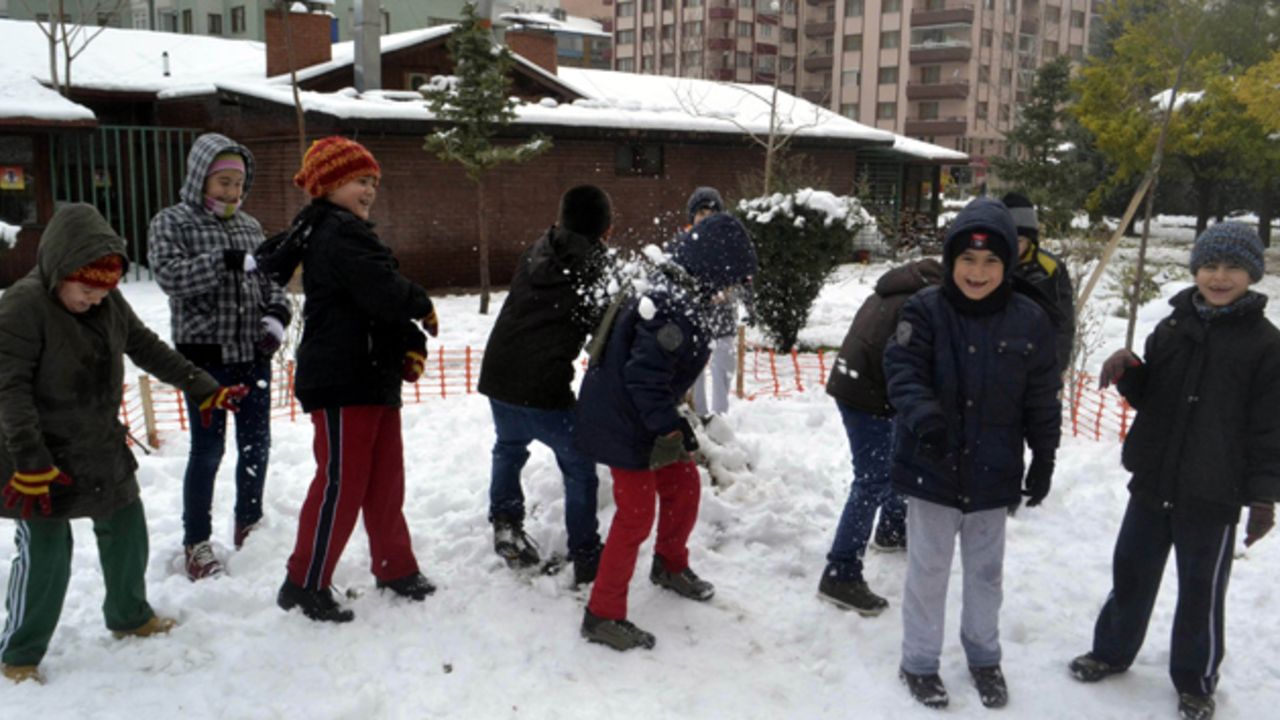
{"x": 490, "y": 644}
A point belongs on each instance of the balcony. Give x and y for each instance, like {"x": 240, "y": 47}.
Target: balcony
{"x": 1029, "y": 26}
{"x": 938, "y": 91}
{"x": 930, "y": 53}
{"x": 825, "y": 28}
{"x": 765, "y": 76}
{"x": 815, "y": 95}
{"x": 953, "y": 13}
{"x": 721, "y": 43}
{"x": 817, "y": 62}
{"x": 768, "y": 18}
{"x": 818, "y": 3}
{"x": 722, "y": 13}
{"x": 720, "y": 74}
{"x": 938, "y": 126}
{"x": 766, "y": 49}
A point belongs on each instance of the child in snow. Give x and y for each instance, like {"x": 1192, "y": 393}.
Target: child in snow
{"x": 858, "y": 386}
{"x": 972, "y": 374}
{"x": 528, "y": 373}
{"x": 652, "y": 347}
{"x": 723, "y": 320}
{"x": 359, "y": 342}
{"x": 64, "y": 332}
{"x": 1204, "y": 443}
{"x": 1045, "y": 272}
{"x": 227, "y": 318}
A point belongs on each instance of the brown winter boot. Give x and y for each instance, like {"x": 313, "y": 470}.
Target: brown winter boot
{"x": 22, "y": 673}
{"x": 155, "y": 626}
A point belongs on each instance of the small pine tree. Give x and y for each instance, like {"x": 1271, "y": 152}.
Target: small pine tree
{"x": 477, "y": 104}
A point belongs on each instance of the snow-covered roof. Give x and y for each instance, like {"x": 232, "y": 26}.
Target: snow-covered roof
{"x": 24, "y": 97}
{"x": 570, "y": 24}
{"x": 926, "y": 151}
{"x": 344, "y": 53}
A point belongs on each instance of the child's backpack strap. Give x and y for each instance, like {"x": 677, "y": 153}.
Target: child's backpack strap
{"x": 600, "y": 338}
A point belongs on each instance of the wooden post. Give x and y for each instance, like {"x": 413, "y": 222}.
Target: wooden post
{"x": 1112, "y": 243}
{"x": 148, "y": 411}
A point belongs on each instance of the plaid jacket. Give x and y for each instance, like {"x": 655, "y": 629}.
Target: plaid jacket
{"x": 211, "y": 303}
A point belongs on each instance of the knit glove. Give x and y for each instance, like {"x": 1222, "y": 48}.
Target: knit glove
{"x": 1262, "y": 517}
{"x": 1114, "y": 367}
{"x": 1039, "y": 479}
{"x": 272, "y": 335}
{"x": 431, "y": 323}
{"x": 32, "y": 488}
{"x": 414, "y": 363}
{"x": 224, "y": 398}
{"x": 932, "y": 438}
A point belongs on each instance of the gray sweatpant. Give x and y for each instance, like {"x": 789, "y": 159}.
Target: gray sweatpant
{"x": 931, "y": 539}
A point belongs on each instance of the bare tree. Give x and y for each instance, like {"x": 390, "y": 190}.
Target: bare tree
{"x": 70, "y": 26}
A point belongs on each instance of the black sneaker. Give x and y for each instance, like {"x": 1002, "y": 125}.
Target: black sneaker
{"x": 889, "y": 541}
{"x": 414, "y": 586}
{"x": 620, "y": 635}
{"x": 315, "y": 604}
{"x": 1089, "y": 668}
{"x": 992, "y": 690}
{"x": 1195, "y": 707}
{"x": 586, "y": 564}
{"x": 685, "y": 583}
{"x": 851, "y": 595}
{"x": 511, "y": 542}
{"x": 927, "y": 690}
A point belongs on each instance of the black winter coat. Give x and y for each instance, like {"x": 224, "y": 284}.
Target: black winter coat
{"x": 857, "y": 378}
{"x": 359, "y": 314}
{"x": 544, "y": 321}
{"x": 1048, "y": 274}
{"x": 992, "y": 379}
{"x": 1206, "y": 438}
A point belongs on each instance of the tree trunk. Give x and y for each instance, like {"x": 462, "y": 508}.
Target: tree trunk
{"x": 1266, "y": 212}
{"x": 1204, "y": 204}
{"x": 484, "y": 246}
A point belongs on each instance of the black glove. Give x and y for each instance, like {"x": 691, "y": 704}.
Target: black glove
{"x": 1038, "y": 481}
{"x": 932, "y": 438}
{"x": 687, "y": 436}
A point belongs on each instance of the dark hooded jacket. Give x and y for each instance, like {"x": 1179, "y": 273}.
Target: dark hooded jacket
{"x": 657, "y": 346}
{"x": 62, "y": 373}
{"x": 359, "y": 314}
{"x": 547, "y": 315}
{"x": 985, "y": 372}
{"x": 1048, "y": 275}
{"x": 215, "y": 307}
{"x": 857, "y": 378}
{"x": 1206, "y": 439}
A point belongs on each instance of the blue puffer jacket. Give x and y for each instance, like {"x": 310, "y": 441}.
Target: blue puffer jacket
{"x": 991, "y": 378}
{"x": 657, "y": 345}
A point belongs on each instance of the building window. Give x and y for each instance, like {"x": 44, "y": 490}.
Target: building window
{"x": 852, "y": 43}
{"x": 626, "y": 9}
{"x": 888, "y": 75}
{"x": 982, "y": 110}
{"x": 646, "y": 6}
{"x": 187, "y": 22}
{"x": 1006, "y": 76}
{"x": 789, "y": 7}
{"x": 1077, "y": 18}
{"x": 1050, "y": 49}
{"x": 215, "y": 23}
{"x": 1077, "y": 52}
{"x": 237, "y": 19}
{"x": 746, "y": 4}
{"x": 169, "y": 22}
{"x": 853, "y": 8}
{"x": 986, "y": 38}
{"x": 984, "y": 73}
{"x": 646, "y": 36}
{"x": 989, "y": 4}
{"x": 766, "y": 31}
{"x": 626, "y": 65}
{"x": 386, "y": 22}
{"x": 849, "y": 110}
{"x": 693, "y": 29}
{"x": 668, "y": 61}
{"x": 668, "y": 32}
{"x": 693, "y": 3}
{"x": 1006, "y": 41}
{"x": 788, "y": 35}
{"x": 1004, "y": 113}
{"x": 626, "y": 37}
{"x": 851, "y": 78}
{"x": 929, "y": 110}
{"x": 828, "y": 46}
{"x": 1051, "y": 14}
{"x": 930, "y": 74}
{"x": 667, "y": 4}
{"x": 744, "y": 60}
{"x": 891, "y": 6}
{"x": 692, "y": 58}
{"x": 744, "y": 30}
{"x": 638, "y": 160}
{"x": 887, "y": 111}
{"x": 889, "y": 39}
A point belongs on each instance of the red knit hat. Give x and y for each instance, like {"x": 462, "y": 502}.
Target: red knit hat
{"x": 333, "y": 162}
{"x": 105, "y": 272}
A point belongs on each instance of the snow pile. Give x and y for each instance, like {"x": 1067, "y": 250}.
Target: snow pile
{"x": 846, "y": 210}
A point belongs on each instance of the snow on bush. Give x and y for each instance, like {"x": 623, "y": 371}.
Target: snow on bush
{"x": 8, "y": 235}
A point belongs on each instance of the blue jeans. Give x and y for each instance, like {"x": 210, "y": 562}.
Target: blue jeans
{"x": 871, "y": 443}
{"x": 253, "y": 443}
{"x": 516, "y": 427}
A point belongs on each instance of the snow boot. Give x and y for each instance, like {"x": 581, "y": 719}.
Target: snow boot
{"x": 511, "y": 542}
{"x": 414, "y": 586}
{"x": 992, "y": 690}
{"x": 1195, "y": 707}
{"x": 1089, "y": 668}
{"x": 22, "y": 673}
{"x": 927, "y": 690}
{"x": 620, "y": 635}
{"x": 155, "y": 625}
{"x": 586, "y": 564}
{"x": 201, "y": 562}
{"x": 889, "y": 540}
{"x": 315, "y": 604}
{"x": 685, "y": 583}
{"x": 852, "y": 595}
{"x": 244, "y": 531}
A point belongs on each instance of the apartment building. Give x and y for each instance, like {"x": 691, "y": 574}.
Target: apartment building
{"x": 749, "y": 41}
{"x": 950, "y": 72}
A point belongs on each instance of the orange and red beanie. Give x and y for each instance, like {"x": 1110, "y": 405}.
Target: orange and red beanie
{"x": 105, "y": 272}
{"x": 333, "y": 162}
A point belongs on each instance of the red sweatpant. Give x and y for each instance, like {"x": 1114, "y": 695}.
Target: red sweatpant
{"x": 359, "y": 466}
{"x": 678, "y": 491}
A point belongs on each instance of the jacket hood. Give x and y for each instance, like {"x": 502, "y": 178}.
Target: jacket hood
{"x": 910, "y": 278}
{"x": 716, "y": 252}
{"x": 985, "y": 214}
{"x": 76, "y": 236}
{"x": 207, "y": 147}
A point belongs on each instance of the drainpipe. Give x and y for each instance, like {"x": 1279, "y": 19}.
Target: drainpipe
{"x": 367, "y": 34}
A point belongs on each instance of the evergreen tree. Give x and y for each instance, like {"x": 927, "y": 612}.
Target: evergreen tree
{"x": 476, "y": 103}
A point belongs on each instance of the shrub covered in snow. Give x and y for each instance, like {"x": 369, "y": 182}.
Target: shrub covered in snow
{"x": 800, "y": 238}
{"x": 8, "y": 235}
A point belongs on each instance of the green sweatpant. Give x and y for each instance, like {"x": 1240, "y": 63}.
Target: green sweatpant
{"x": 42, "y": 569}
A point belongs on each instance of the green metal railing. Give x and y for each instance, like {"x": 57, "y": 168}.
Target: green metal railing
{"x": 129, "y": 173}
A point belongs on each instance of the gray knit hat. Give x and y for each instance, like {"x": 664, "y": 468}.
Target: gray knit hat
{"x": 1232, "y": 242}
{"x": 705, "y": 198}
